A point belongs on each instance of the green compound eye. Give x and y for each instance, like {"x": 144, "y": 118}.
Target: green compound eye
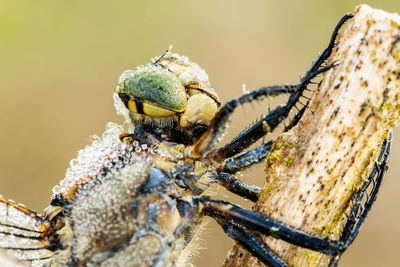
{"x": 156, "y": 88}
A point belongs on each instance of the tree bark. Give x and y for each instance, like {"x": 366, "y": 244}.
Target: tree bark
{"x": 314, "y": 170}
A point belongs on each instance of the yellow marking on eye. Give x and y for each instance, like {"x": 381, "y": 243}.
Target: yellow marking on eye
{"x": 132, "y": 106}
{"x": 154, "y": 111}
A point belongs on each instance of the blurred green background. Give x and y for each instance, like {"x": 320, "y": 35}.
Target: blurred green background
{"x": 60, "y": 61}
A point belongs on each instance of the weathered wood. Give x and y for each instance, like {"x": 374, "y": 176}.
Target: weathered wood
{"x": 314, "y": 170}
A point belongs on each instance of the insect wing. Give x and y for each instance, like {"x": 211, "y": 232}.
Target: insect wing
{"x": 6, "y": 260}
{"x": 21, "y": 232}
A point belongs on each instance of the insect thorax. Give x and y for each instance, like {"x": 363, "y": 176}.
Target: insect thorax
{"x": 119, "y": 199}
{"x": 122, "y": 195}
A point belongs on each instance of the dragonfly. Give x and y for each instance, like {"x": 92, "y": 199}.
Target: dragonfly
{"x": 137, "y": 195}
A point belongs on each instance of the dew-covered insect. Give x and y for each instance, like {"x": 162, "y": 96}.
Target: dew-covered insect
{"x": 136, "y": 196}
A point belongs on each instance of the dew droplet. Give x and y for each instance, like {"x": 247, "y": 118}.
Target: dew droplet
{"x": 73, "y": 162}
{"x": 56, "y": 189}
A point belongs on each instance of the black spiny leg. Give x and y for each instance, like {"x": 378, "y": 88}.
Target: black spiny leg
{"x": 259, "y": 129}
{"x": 357, "y": 215}
{"x": 242, "y": 220}
{"x": 276, "y": 116}
{"x": 263, "y": 224}
{"x": 247, "y": 159}
{"x": 238, "y": 187}
{"x": 239, "y": 163}
{"x": 243, "y": 161}
{"x": 322, "y": 58}
{"x": 219, "y": 123}
{"x": 252, "y": 244}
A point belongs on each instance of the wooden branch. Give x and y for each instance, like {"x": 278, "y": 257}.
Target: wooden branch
{"x": 313, "y": 171}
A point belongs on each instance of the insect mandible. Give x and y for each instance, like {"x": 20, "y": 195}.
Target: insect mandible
{"x": 136, "y": 196}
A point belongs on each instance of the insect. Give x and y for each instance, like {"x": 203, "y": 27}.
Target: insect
{"x": 136, "y": 196}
